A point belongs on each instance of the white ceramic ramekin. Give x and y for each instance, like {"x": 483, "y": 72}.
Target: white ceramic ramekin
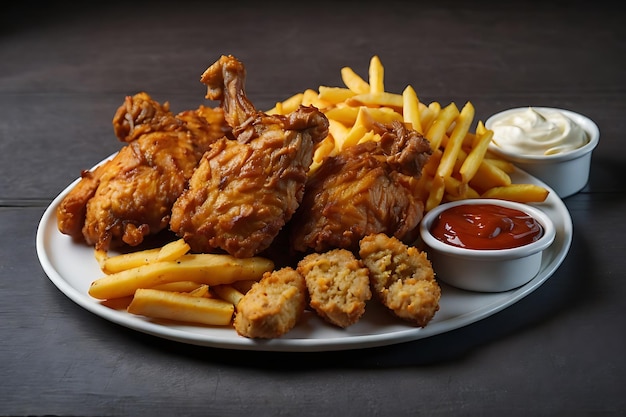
{"x": 566, "y": 173}
{"x": 492, "y": 270}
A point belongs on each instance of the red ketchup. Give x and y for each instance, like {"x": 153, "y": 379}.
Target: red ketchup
{"x": 485, "y": 226}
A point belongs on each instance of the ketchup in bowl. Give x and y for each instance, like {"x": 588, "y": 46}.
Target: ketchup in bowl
{"x": 485, "y": 226}
{"x": 486, "y": 245}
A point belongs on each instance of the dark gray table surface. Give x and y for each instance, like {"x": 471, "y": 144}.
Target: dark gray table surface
{"x": 64, "y": 69}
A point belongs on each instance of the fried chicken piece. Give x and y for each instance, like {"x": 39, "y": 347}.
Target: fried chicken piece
{"x": 72, "y": 210}
{"x": 338, "y": 285}
{"x": 273, "y": 306}
{"x": 141, "y": 114}
{"x": 131, "y": 195}
{"x": 245, "y": 190}
{"x": 402, "y": 278}
{"x": 367, "y": 188}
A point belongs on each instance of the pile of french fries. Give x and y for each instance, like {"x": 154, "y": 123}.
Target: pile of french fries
{"x": 169, "y": 283}
{"x": 460, "y": 166}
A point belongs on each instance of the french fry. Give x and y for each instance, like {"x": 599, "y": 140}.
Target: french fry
{"x": 505, "y": 166}
{"x": 440, "y": 125}
{"x": 287, "y": 106}
{"x": 201, "y": 291}
{"x": 362, "y": 124}
{"x": 522, "y": 193}
{"x": 181, "y": 307}
{"x": 338, "y": 131}
{"x": 311, "y": 98}
{"x": 117, "y": 263}
{"x": 335, "y": 95}
{"x": 178, "y": 286}
{"x": 488, "y": 176}
{"x": 346, "y": 115}
{"x": 433, "y": 162}
{"x": 324, "y": 149}
{"x": 228, "y": 293}
{"x": 475, "y": 157}
{"x": 429, "y": 115}
{"x": 353, "y": 137}
{"x": 411, "y": 108}
{"x": 457, "y": 190}
{"x": 292, "y": 103}
{"x": 461, "y": 127}
{"x": 437, "y": 190}
{"x": 480, "y": 129}
{"x": 470, "y": 140}
{"x": 353, "y": 81}
{"x": 277, "y": 109}
{"x": 376, "y": 76}
{"x": 384, "y": 115}
{"x": 173, "y": 250}
{"x": 369, "y": 136}
{"x": 169, "y": 252}
{"x": 383, "y": 99}
{"x": 210, "y": 269}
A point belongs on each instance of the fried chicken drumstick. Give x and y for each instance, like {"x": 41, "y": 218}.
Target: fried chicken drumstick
{"x": 367, "y": 188}
{"x": 131, "y": 195}
{"x": 245, "y": 190}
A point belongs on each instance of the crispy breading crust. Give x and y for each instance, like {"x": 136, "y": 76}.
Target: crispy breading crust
{"x": 401, "y": 277}
{"x": 338, "y": 285}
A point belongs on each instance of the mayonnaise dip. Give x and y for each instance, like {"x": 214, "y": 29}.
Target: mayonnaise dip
{"x": 531, "y": 132}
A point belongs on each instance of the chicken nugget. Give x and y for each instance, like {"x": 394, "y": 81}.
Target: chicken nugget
{"x": 273, "y": 306}
{"x": 402, "y": 278}
{"x": 338, "y": 285}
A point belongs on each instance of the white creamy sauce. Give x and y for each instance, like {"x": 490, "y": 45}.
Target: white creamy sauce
{"x": 531, "y": 132}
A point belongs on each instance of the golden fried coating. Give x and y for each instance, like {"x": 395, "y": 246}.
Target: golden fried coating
{"x": 273, "y": 306}
{"x": 402, "y": 278}
{"x": 131, "y": 195}
{"x": 140, "y": 114}
{"x": 246, "y": 189}
{"x": 338, "y": 285}
{"x": 367, "y": 188}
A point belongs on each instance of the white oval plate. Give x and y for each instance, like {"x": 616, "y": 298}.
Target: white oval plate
{"x": 72, "y": 267}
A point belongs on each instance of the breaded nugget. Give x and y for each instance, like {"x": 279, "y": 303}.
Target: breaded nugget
{"x": 338, "y": 285}
{"x": 273, "y": 305}
{"x": 402, "y": 278}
